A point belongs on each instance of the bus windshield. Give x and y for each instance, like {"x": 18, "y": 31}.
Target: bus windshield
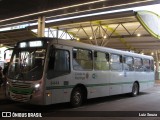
{"x": 27, "y": 64}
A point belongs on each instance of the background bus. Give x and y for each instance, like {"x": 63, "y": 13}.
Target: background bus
{"x": 8, "y": 54}
{"x": 47, "y": 71}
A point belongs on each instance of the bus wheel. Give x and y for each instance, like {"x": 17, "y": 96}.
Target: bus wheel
{"x": 76, "y": 97}
{"x": 135, "y": 89}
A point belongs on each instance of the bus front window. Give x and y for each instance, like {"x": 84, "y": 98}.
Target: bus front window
{"x": 27, "y": 64}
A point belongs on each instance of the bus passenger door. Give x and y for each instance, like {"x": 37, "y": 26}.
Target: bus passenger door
{"x": 58, "y": 70}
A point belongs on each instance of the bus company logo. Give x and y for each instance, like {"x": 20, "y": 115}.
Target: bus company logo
{"x": 6, "y": 114}
{"x": 94, "y": 75}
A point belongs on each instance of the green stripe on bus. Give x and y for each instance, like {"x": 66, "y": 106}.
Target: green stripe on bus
{"x": 21, "y": 90}
{"x": 59, "y": 87}
{"x": 93, "y": 85}
{"x": 106, "y": 84}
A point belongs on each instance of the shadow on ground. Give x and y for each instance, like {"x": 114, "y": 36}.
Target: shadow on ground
{"x": 65, "y": 106}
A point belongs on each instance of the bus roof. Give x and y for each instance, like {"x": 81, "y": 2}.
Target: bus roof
{"x": 89, "y": 47}
{"x": 100, "y": 48}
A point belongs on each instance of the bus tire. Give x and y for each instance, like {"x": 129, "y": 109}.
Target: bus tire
{"x": 76, "y": 97}
{"x": 135, "y": 89}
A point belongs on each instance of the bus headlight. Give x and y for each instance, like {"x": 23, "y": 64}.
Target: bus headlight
{"x": 37, "y": 85}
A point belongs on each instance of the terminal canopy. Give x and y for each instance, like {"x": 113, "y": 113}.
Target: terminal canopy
{"x": 126, "y": 30}
{"x": 150, "y": 21}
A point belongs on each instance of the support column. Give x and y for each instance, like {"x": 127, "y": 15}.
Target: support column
{"x": 57, "y": 32}
{"x": 157, "y": 66}
{"x": 41, "y": 26}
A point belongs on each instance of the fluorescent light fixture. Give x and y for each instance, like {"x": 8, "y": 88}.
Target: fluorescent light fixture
{"x": 72, "y": 6}
{"x": 81, "y": 16}
{"x": 22, "y": 44}
{"x": 98, "y": 13}
{"x": 51, "y": 10}
{"x": 35, "y": 43}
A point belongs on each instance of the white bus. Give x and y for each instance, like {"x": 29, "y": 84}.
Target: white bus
{"x": 47, "y": 71}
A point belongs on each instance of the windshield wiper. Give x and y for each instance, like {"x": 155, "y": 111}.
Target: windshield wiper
{"x": 19, "y": 76}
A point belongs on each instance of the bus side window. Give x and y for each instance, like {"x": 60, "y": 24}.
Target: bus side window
{"x": 128, "y": 63}
{"x": 95, "y": 54}
{"x": 76, "y": 62}
{"x": 74, "y": 54}
{"x": 138, "y": 65}
{"x": 101, "y": 61}
{"x": 152, "y": 65}
{"x": 58, "y": 63}
{"x": 121, "y": 59}
{"x": 115, "y": 62}
{"x": 82, "y": 59}
{"x": 107, "y": 57}
{"x": 146, "y": 65}
{"x": 51, "y": 59}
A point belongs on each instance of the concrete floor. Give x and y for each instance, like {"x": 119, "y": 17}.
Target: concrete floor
{"x": 119, "y": 107}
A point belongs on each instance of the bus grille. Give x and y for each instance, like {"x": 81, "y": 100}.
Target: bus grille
{"x": 20, "y": 85}
{"x": 20, "y": 91}
{"x": 21, "y": 88}
{"x": 19, "y": 97}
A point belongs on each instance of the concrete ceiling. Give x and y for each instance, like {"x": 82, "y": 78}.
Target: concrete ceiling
{"x": 125, "y": 32}
{"x": 115, "y": 30}
{"x": 10, "y": 38}
{"x": 14, "y": 12}
{"x": 120, "y": 29}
